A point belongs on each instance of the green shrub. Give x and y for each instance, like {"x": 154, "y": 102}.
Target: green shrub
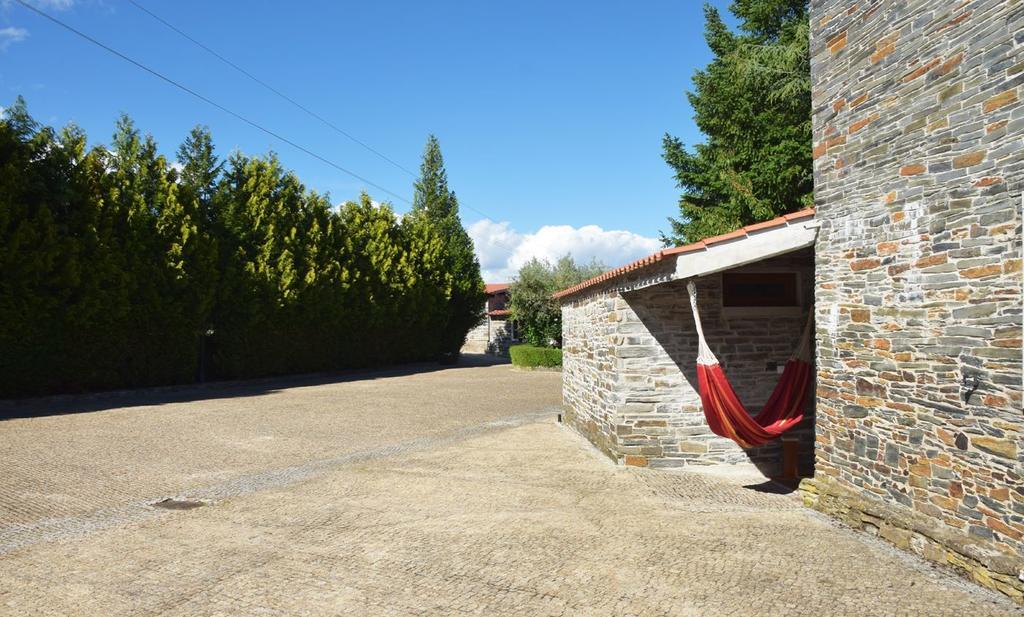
{"x": 530, "y": 356}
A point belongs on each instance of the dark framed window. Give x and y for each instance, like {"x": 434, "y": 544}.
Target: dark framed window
{"x": 760, "y": 289}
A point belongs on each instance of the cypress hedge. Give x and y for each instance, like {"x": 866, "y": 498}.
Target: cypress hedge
{"x": 119, "y": 269}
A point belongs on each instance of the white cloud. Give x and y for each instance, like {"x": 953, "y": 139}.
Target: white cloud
{"x": 502, "y": 250}
{"x": 11, "y": 35}
{"x": 495, "y": 244}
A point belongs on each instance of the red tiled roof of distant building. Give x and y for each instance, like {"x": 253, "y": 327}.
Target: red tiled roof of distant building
{"x": 687, "y": 248}
{"x": 499, "y": 313}
{"x": 493, "y": 288}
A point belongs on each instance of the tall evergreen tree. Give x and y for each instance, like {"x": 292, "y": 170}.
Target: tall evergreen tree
{"x": 200, "y": 170}
{"x": 197, "y": 185}
{"x": 753, "y": 103}
{"x": 435, "y": 203}
{"x": 160, "y": 321}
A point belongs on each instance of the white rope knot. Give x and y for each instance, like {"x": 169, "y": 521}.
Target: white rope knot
{"x": 704, "y": 354}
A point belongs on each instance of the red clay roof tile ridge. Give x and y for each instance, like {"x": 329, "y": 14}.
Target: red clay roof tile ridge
{"x": 778, "y": 221}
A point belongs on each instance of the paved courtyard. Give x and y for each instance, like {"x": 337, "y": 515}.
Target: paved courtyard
{"x": 412, "y": 492}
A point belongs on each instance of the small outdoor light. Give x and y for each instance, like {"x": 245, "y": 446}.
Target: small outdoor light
{"x": 201, "y": 369}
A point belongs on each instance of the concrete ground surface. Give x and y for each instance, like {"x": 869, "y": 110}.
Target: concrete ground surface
{"x": 409, "y": 492}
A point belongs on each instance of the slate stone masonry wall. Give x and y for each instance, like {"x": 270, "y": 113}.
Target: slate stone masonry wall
{"x": 629, "y": 367}
{"x": 919, "y": 160}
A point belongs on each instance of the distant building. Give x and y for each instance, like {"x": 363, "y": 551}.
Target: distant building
{"x": 496, "y": 331}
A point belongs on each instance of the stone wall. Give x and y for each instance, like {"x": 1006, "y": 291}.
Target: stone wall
{"x": 493, "y": 336}
{"x": 478, "y": 338}
{"x": 629, "y": 367}
{"x": 501, "y": 336}
{"x": 919, "y": 159}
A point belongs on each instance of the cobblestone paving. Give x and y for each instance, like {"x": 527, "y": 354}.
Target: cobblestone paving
{"x": 69, "y": 467}
{"x": 475, "y": 514}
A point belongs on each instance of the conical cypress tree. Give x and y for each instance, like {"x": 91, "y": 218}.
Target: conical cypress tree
{"x": 435, "y": 203}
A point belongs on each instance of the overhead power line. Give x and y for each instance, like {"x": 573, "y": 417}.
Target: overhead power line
{"x": 272, "y": 89}
{"x": 232, "y": 113}
{"x": 210, "y": 101}
{"x": 287, "y": 98}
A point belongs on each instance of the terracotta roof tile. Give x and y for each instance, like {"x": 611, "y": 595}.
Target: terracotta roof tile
{"x": 644, "y": 262}
{"x": 732, "y": 235}
{"x": 766, "y": 225}
{"x": 493, "y": 288}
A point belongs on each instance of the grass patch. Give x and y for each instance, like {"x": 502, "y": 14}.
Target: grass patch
{"x": 530, "y": 356}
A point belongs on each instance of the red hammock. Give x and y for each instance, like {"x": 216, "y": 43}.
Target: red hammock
{"x": 727, "y": 416}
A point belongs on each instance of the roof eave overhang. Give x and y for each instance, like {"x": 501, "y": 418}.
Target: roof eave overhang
{"x": 750, "y": 244}
{"x": 755, "y": 246}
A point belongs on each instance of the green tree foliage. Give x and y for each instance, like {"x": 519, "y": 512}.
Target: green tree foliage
{"x": 436, "y": 205}
{"x": 753, "y": 102}
{"x": 537, "y": 314}
{"x": 117, "y": 268}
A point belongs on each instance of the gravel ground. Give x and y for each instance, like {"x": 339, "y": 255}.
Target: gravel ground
{"x": 415, "y": 492}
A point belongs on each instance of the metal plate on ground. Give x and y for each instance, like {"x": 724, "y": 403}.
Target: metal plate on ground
{"x": 178, "y": 504}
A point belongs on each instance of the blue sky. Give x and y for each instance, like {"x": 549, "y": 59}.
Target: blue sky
{"x": 550, "y": 114}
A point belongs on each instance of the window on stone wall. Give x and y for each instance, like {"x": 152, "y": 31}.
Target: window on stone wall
{"x": 760, "y": 289}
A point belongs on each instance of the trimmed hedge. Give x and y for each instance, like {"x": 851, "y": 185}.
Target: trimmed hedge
{"x": 119, "y": 270}
{"x": 531, "y": 356}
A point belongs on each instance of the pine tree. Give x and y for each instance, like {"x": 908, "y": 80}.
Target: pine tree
{"x": 436, "y": 203}
{"x": 753, "y": 103}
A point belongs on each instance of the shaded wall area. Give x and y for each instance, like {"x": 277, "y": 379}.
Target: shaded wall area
{"x": 629, "y": 368}
{"x": 494, "y": 335}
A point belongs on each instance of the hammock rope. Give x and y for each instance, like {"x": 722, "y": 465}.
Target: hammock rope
{"x": 726, "y": 415}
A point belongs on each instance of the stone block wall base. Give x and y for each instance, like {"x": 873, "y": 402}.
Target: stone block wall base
{"x": 590, "y": 430}
{"x": 919, "y": 534}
